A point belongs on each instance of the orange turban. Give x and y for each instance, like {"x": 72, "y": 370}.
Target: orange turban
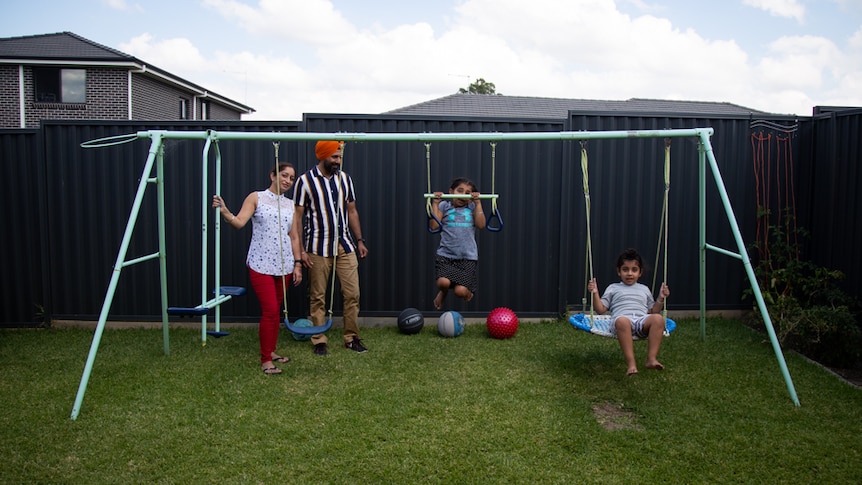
{"x": 325, "y": 149}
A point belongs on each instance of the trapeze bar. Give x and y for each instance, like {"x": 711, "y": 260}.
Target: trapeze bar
{"x": 426, "y": 137}
{"x": 461, "y": 196}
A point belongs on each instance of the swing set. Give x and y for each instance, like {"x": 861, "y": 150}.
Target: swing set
{"x": 155, "y": 163}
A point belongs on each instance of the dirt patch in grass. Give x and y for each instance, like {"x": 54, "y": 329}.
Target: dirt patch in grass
{"x": 614, "y": 416}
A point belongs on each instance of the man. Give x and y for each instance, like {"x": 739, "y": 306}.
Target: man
{"x": 332, "y": 236}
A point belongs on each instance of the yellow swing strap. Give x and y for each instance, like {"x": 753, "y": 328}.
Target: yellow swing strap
{"x": 495, "y": 212}
{"x": 663, "y": 227}
{"x": 429, "y": 211}
{"x": 588, "y": 266}
{"x": 275, "y": 146}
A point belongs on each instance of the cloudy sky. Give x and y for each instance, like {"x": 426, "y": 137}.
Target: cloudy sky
{"x": 289, "y": 57}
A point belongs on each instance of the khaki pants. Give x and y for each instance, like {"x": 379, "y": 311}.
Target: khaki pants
{"x": 347, "y": 271}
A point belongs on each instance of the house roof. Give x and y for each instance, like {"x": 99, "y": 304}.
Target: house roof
{"x": 69, "y": 48}
{"x": 499, "y": 106}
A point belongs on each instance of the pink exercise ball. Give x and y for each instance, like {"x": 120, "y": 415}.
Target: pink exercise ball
{"x": 502, "y": 323}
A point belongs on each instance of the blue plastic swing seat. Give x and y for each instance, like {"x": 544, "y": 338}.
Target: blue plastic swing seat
{"x": 188, "y": 311}
{"x": 601, "y": 325}
{"x": 203, "y": 310}
{"x": 313, "y": 330}
{"x": 230, "y": 290}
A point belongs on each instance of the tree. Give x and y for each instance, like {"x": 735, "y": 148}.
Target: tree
{"x": 480, "y": 87}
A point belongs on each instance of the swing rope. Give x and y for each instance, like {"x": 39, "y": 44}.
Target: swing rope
{"x": 495, "y": 212}
{"x": 601, "y": 324}
{"x": 295, "y": 329}
{"x": 588, "y": 263}
{"x": 338, "y": 208}
{"x": 275, "y": 146}
{"x": 663, "y": 227}
{"x": 428, "y": 207}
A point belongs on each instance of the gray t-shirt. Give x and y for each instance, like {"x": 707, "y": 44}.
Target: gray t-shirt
{"x": 458, "y": 234}
{"x": 622, "y": 299}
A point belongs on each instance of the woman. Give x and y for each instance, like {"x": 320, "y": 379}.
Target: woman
{"x": 271, "y": 263}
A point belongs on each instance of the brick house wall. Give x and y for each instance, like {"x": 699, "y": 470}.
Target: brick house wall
{"x": 152, "y": 100}
{"x": 219, "y": 112}
{"x": 107, "y": 99}
{"x": 10, "y": 116}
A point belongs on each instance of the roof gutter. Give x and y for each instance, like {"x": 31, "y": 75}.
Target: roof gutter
{"x": 197, "y": 90}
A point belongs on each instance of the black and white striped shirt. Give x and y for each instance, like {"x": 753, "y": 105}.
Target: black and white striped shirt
{"x": 325, "y": 202}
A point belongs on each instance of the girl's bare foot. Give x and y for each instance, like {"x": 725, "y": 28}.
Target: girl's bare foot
{"x": 655, "y": 365}
{"x": 438, "y": 301}
{"x": 632, "y": 371}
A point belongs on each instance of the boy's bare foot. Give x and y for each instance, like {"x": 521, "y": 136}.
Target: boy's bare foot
{"x": 438, "y": 301}
{"x": 655, "y": 365}
{"x": 632, "y": 371}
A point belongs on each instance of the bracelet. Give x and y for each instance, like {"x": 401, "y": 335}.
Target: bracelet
{"x": 297, "y": 262}
{"x": 361, "y": 239}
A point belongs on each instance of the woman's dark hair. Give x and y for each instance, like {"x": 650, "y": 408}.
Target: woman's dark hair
{"x": 282, "y": 166}
{"x": 463, "y": 180}
{"x": 630, "y": 255}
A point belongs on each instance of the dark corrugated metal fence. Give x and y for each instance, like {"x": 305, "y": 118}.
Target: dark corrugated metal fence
{"x": 72, "y": 204}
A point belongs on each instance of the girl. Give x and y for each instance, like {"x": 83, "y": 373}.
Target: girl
{"x": 457, "y": 258}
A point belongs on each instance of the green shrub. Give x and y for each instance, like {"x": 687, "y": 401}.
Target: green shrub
{"x": 809, "y": 311}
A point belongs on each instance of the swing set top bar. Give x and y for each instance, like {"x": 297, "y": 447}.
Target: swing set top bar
{"x": 426, "y": 137}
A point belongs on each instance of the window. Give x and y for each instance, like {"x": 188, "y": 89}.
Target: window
{"x": 55, "y": 85}
{"x": 184, "y": 109}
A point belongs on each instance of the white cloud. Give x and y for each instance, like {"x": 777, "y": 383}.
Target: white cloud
{"x": 780, "y": 8}
{"x": 800, "y": 62}
{"x": 174, "y": 55}
{"x": 312, "y": 22}
{"x": 550, "y": 48}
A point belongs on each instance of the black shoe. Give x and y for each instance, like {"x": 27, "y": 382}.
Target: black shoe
{"x": 356, "y": 345}
{"x": 320, "y": 349}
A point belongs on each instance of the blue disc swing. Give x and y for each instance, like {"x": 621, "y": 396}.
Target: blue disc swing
{"x": 300, "y": 329}
{"x": 491, "y": 225}
{"x": 602, "y": 325}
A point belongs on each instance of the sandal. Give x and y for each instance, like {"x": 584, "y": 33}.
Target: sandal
{"x": 280, "y": 359}
{"x": 271, "y": 371}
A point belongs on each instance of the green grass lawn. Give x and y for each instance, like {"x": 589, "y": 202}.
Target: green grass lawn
{"x": 551, "y": 405}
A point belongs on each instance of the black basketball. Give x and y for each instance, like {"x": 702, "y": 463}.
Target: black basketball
{"x": 410, "y": 321}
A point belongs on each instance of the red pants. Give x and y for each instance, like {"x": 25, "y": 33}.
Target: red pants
{"x": 270, "y": 295}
